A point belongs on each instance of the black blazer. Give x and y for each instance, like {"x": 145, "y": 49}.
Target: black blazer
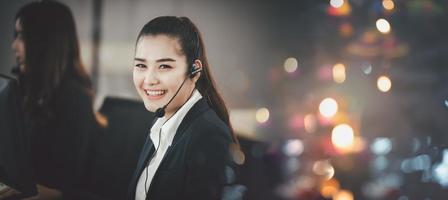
{"x": 198, "y": 163}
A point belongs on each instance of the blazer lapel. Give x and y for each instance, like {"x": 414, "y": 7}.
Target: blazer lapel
{"x": 198, "y": 108}
{"x": 147, "y": 150}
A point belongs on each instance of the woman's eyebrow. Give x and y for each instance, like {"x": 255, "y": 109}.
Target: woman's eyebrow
{"x": 158, "y": 60}
{"x": 166, "y": 60}
{"x": 140, "y": 59}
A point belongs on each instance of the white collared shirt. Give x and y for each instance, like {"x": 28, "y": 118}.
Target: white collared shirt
{"x": 168, "y": 132}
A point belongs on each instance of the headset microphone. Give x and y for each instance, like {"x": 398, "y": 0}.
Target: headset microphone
{"x": 160, "y": 112}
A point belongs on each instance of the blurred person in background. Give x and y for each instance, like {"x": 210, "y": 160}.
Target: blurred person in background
{"x": 57, "y": 97}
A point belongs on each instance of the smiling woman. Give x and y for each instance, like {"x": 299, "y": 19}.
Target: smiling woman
{"x": 187, "y": 154}
{"x": 160, "y": 67}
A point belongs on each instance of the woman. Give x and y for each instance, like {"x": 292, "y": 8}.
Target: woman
{"x": 187, "y": 152}
{"x": 57, "y": 96}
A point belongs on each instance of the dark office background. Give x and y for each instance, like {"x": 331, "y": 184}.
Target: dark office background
{"x": 277, "y": 62}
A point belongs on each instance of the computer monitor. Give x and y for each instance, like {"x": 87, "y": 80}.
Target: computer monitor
{"x": 15, "y": 165}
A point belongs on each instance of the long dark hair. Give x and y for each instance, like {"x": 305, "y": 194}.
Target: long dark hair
{"x": 192, "y": 45}
{"x": 52, "y": 55}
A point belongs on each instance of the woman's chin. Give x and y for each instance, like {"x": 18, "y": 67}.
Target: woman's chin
{"x": 150, "y": 108}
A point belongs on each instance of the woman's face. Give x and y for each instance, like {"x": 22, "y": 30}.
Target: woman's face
{"x": 160, "y": 67}
{"x": 18, "y": 46}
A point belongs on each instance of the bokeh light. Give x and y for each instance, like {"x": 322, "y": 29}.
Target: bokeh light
{"x": 310, "y": 123}
{"x": 291, "y": 65}
{"x": 336, "y": 3}
{"x": 328, "y": 107}
{"x": 367, "y": 68}
{"x": 383, "y": 25}
{"x": 406, "y": 166}
{"x": 339, "y": 73}
{"x": 388, "y": 5}
{"x": 323, "y": 168}
{"x": 342, "y": 137}
{"x": 329, "y": 188}
{"x": 381, "y": 146}
{"x": 441, "y": 174}
{"x": 421, "y": 162}
{"x": 343, "y": 195}
{"x": 262, "y": 115}
{"x": 384, "y": 84}
{"x": 418, "y": 163}
{"x": 293, "y": 147}
{"x": 237, "y": 155}
{"x": 440, "y": 171}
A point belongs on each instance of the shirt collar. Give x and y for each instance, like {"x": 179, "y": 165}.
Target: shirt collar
{"x": 169, "y": 128}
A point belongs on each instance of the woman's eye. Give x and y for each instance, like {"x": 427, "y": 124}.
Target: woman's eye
{"x": 165, "y": 67}
{"x": 141, "y": 66}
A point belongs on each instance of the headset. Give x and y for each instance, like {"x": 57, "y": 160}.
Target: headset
{"x": 194, "y": 69}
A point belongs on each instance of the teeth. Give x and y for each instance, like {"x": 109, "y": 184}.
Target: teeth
{"x": 155, "y": 92}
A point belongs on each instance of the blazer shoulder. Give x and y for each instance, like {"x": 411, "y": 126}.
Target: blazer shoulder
{"x": 201, "y": 124}
{"x": 208, "y": 124}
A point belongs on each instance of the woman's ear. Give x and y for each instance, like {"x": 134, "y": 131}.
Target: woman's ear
{"x": 196, "y": 70}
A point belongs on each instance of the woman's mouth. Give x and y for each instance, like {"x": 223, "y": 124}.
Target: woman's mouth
{"x": 155, "y": 94}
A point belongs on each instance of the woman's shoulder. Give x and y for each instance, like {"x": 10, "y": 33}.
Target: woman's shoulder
{"x": 208, "y": 124}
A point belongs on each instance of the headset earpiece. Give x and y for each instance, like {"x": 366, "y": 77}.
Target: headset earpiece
{"x": 194, "y": 67}
{"x": 194, "y": 70}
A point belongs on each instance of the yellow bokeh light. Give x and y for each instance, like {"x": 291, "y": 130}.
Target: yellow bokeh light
{"x": 328, "y": 107}
{"x": 388, "y": 5}
{"x": 329, "y": 188}
{"x": 310, "y": 123}
{"x": 343, "y": 195}
{"x": 237, "y": 155}
{"x": 359, "y": 144}
{"x": 342, "y": 137}
{"x": 262, "y": 115}
{"x": 384, "y": 84}
{"x": 339, "y": 73}
{"x": 383, "y": 25}
{"x": 336, "y": 3}
{"x": 328, "y": 191}
{"x": 291, "y": 65}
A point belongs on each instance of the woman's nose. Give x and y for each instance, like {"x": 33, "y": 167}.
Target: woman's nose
{"x": 151, "y": 77}
{"x": 14, "y": 44}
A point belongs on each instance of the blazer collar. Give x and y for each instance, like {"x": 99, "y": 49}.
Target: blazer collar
{"x": 148, "y": 148}
{"x": 198, "y": 108}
